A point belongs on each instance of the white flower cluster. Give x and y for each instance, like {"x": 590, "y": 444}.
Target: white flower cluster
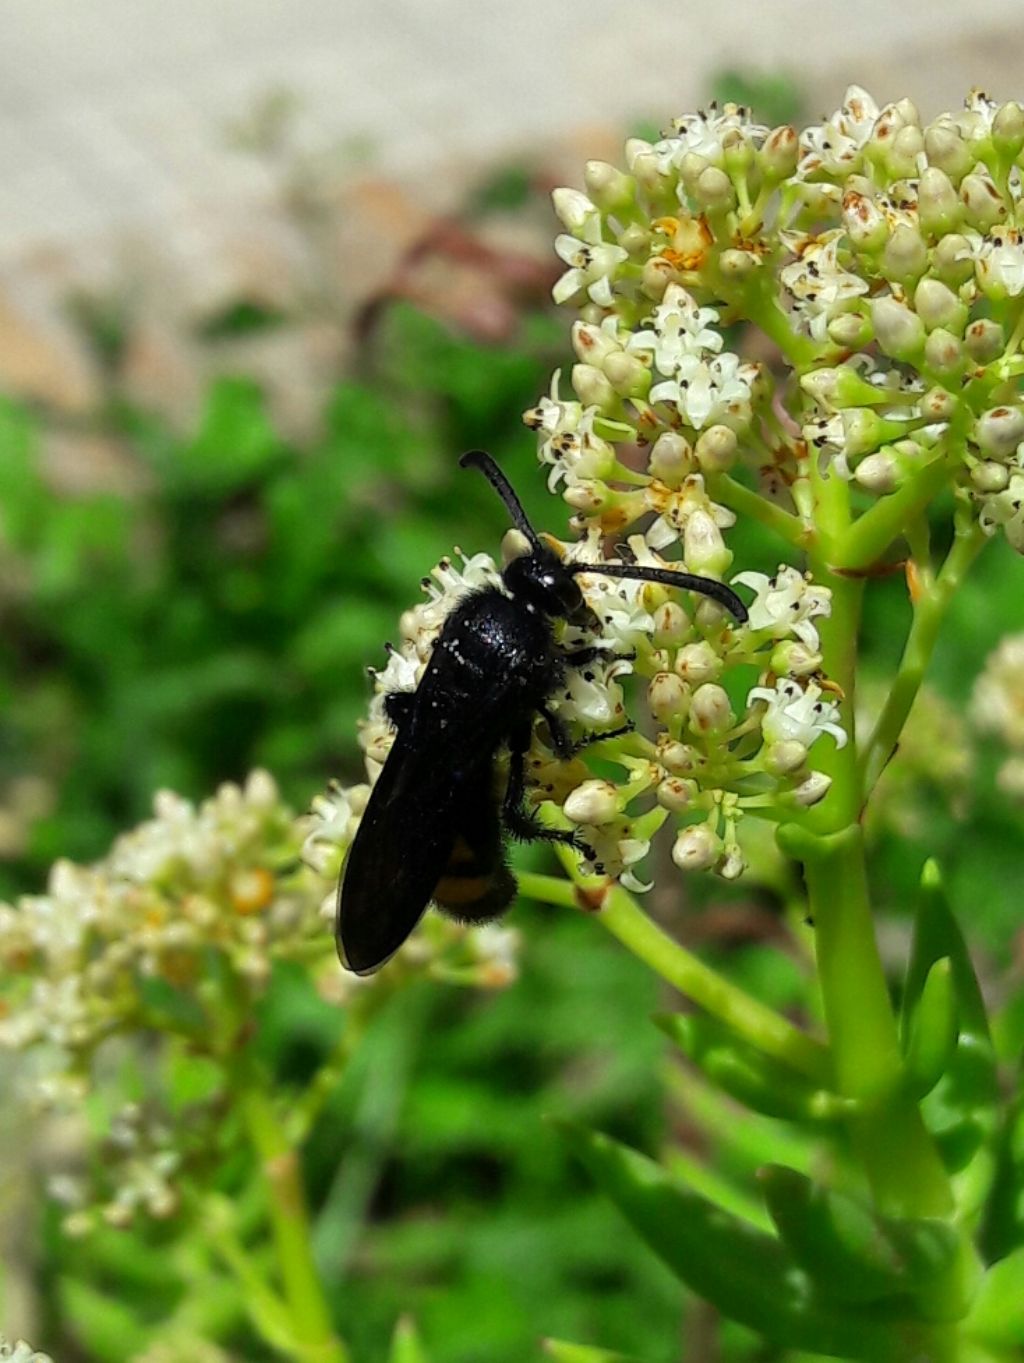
{"x": 882, "y": 254}
{"x": 997, "y": 707}
{"x": 20, "y": 1352}
{"x": 190, "y": 880}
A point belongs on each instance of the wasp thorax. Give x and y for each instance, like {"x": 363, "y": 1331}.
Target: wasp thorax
{"x": 540, "y": 580}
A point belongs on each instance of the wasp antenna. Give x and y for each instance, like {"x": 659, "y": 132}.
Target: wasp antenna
{"x": 707, "y": 586}
{"x": 480, "y": 459}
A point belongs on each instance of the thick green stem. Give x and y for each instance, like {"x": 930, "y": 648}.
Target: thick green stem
{"x": 929, "y": 612}
{"x": 743, "y": 500}
{"x": 761, "y": 1026}
{"x": 901, "y": 1162}
{"x": 898, "y": 1155}
{"x": 303, "y": 1292}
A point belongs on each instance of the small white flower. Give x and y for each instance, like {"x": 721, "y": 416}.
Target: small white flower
{"x": 797, "y": 714}
{"x": 997, "y": 705}
{"x": 1005, "y": 510}
{"x": 999, "y": 262}
{"x": 706, "y": 392}
{"x": 21, "y": 1353}
{"x": 593, "y": 263}
{"x": 817, "y": 285}
{"x": 680, "y": 328}
{"x": 567, "y": 439}
{"x": 834, "y": 147}
{"x": 786, "y": 604}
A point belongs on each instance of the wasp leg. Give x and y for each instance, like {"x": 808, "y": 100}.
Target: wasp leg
{"x": 398, "y": 706}
{"x": 520, "y": 821}
{"x": 566, "y": 747}
{"x": 581, "y": 656}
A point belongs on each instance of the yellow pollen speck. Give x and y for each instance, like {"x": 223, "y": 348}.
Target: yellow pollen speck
{"x": 251, "y": 890}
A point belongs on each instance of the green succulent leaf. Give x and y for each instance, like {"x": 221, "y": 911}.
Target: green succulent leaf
{"x": 961, "y": 1109}
{"x": 564, "y": 1351}
{"x": 405, "y": 1344}
{"x": 747, "y": 1074}
{"x": 932, "y": 1030}
{"x": 749, "y": 1276}
{"x": 997, "y": 1315}
{"x": 853, "y": 1255}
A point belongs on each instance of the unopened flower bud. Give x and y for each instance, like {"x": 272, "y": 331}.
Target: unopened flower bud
{"x": 675, "y": 794}
{"x": 716, "y": 449}
{"x": 899, "y": 332}
{"x": 938, "y": 205}
{"x": 732, "y": 865}
{"x": 850, "y": 330}
{"x": 953, "y": 259}
{"x": 943, "y": 353}
{"x": 593, "y": 388}
{"x": 837, "y": 387}
{"x": 710, "y": 711}
{"x": 668, "y": 697}
{"x": 691, "y": 168}
{"x": 989, "y": 476}
{"x": 984, "y": 340}
{"x": 905, "y": 150}
{"x": 696, "y": 848}
{"x": 609, "y": 188}
{"x": 785, "y": 758}
{"x": 714, "y": 191}
{"x": 946, "y": 149}
{"x": 574, "y": 209}
{"x": 779, "y": 153}
{"x": 938, "y": 404}
{"x": 635, "y": 240}
{"x": 671, "y": 623}
{"x": 865, "y": 223}
{"x": 879, "y": 472}
{"x": 629, "y": 376}
{"x": 594, "y": 802}
{"x": 657, "y": 274}
{"x": 999, "y": 431}
{"x": 698, "y": 663}
{"x": 813, "y": 790}
{"x": 864, "y": 430}
{"x": 647, "y": 172}
{"x": 704, "y": 549}
{"x": 586, "y": 498}
{"x": 938, "y": 306}
{"x": 1008, "y": 128}
{"x": 982, "y": 201}
{"x": 793, "y": 658}
{"x": 737, "y": 265}
{"x": 671, "y": 458}
{"x": 681, "y": 759}
{"x": 593, "y": 344}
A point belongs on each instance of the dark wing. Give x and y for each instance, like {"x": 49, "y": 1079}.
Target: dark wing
{"x": 401, "y": 848}
{"x": 474, "y": 692}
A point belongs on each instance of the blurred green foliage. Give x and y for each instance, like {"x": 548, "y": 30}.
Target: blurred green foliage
{"x": 219, "y": 614}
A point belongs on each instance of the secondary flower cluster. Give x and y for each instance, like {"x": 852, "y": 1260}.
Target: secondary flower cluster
{"x": 21, "y": 1353}
{"x": 997, "y": 707}
{"x": 169, "y": 943}
{"x": 706, "y": 764}
{"x": 882, "y": 256}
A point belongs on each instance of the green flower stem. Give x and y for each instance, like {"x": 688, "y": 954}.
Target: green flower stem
{"x": 865, "y": 542}
{"x": 929, "y": 612}
{"x": 316, "y": 1341}
{"x": 745, "y": 502}
{"x": 901, "y": 1162}
{"x": 619, "y": 913}
{"x": 898, "y": 1156}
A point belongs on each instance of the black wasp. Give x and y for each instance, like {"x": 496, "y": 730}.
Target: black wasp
{"x": 433, "y": 827}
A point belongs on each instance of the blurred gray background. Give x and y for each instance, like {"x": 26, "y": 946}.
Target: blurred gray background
{"x": 142, "y": 152}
